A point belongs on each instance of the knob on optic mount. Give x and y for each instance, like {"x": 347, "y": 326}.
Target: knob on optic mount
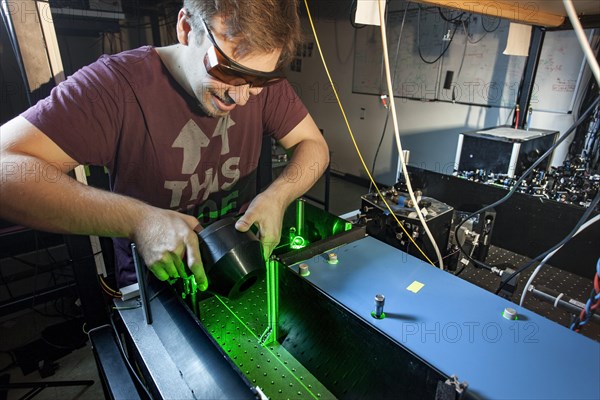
{"x": 379, "y": 302}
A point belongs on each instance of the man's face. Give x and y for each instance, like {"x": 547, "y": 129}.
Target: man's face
{"x": 215, "y": 97}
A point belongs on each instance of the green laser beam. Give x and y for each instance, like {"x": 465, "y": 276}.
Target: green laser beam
{"x": 236, "y": 317}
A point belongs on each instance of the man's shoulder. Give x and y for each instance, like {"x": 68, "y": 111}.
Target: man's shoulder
{"x": 131, "y": 58}
{"x": 137, "y": 67}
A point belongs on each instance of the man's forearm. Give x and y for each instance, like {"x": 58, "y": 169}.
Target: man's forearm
{"x": 39, "y": 195}
{"x": 61, "y": 204}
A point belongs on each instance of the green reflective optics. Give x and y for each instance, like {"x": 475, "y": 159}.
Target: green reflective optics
{"x": 298, "y": 242}
{"x": 340, "y": 226}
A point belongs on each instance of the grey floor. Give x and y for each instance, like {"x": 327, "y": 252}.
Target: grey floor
{"x": 25, "y": 326}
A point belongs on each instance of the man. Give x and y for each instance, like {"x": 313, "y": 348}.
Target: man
{"x": 179, "y": 129}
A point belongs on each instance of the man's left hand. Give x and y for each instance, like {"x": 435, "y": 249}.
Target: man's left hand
{"x": 267, "y": 215}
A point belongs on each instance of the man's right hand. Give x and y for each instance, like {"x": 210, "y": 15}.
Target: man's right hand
{"x": 164, "y": 238}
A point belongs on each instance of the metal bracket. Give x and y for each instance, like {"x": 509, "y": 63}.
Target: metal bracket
{"x": 451, "y": 389}
{"x": 460, "y": 387}
{"x": 265, "y": 336}
{"x": 140, "y": 271}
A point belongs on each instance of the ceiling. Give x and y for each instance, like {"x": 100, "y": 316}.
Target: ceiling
{"x": 549, "y": 13}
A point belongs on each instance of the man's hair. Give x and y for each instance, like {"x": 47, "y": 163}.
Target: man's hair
{"x": 256, "y": 25}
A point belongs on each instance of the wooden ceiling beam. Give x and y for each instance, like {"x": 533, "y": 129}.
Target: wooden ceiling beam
{"x": 523, "y": 12}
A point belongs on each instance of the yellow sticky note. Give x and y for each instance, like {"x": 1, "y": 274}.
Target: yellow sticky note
{"x": 415, "y": 286}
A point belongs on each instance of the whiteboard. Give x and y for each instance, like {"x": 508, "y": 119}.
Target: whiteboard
{"x": 487, "y": 77}
{"x": 413, "y": 78}
{"x": 559, "y": 72}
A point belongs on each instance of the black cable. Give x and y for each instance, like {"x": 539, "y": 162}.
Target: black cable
{"x": 461, "y": 270}
{"x": 450, "y": 19}
{"x": 594, "y": 158}
{"x": 492, "y": 30}
{"x": 578, "y": 145}
{"x": 462, "y": 61}
{"x": 579, "y": 141}
{"x": 387, "y": 116}
{"x": 352, "y": 16}
{"x": 520, "y": 180}
{"x": 468, "y": 21}
{"x": 419, "y": 41}
{"x": 581, "y": 221}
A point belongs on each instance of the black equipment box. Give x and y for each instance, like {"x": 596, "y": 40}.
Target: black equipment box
{"x": 503, "y": 150}
{"x": 383, "y": 226}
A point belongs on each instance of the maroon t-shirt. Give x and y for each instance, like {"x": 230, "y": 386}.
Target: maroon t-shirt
{"x": 127, "y": 113}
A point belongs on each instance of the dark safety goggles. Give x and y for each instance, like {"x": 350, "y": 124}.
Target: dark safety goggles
{"x": 219, "y": 66}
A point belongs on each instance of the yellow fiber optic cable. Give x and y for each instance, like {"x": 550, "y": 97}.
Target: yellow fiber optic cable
{"x": 352, "y": 135}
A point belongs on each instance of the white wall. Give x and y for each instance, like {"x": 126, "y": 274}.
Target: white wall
{"x": 428, "y": 129}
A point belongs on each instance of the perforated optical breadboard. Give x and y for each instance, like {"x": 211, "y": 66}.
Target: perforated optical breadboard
{"x": 237, "y": 325}
{"x": 572, "y": 285}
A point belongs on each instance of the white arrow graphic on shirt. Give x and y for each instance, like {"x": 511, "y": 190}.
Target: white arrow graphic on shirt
{"x": 222, "y": 130}
{"x": 191, "y": 139}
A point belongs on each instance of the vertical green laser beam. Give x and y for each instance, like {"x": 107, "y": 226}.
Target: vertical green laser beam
{"x": 300, "y": 217}
{"x": 272, "y": 298}
{"x": 269, "y": 304}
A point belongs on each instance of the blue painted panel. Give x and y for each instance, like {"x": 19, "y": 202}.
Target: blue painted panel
{"x": 458, "y": 328}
